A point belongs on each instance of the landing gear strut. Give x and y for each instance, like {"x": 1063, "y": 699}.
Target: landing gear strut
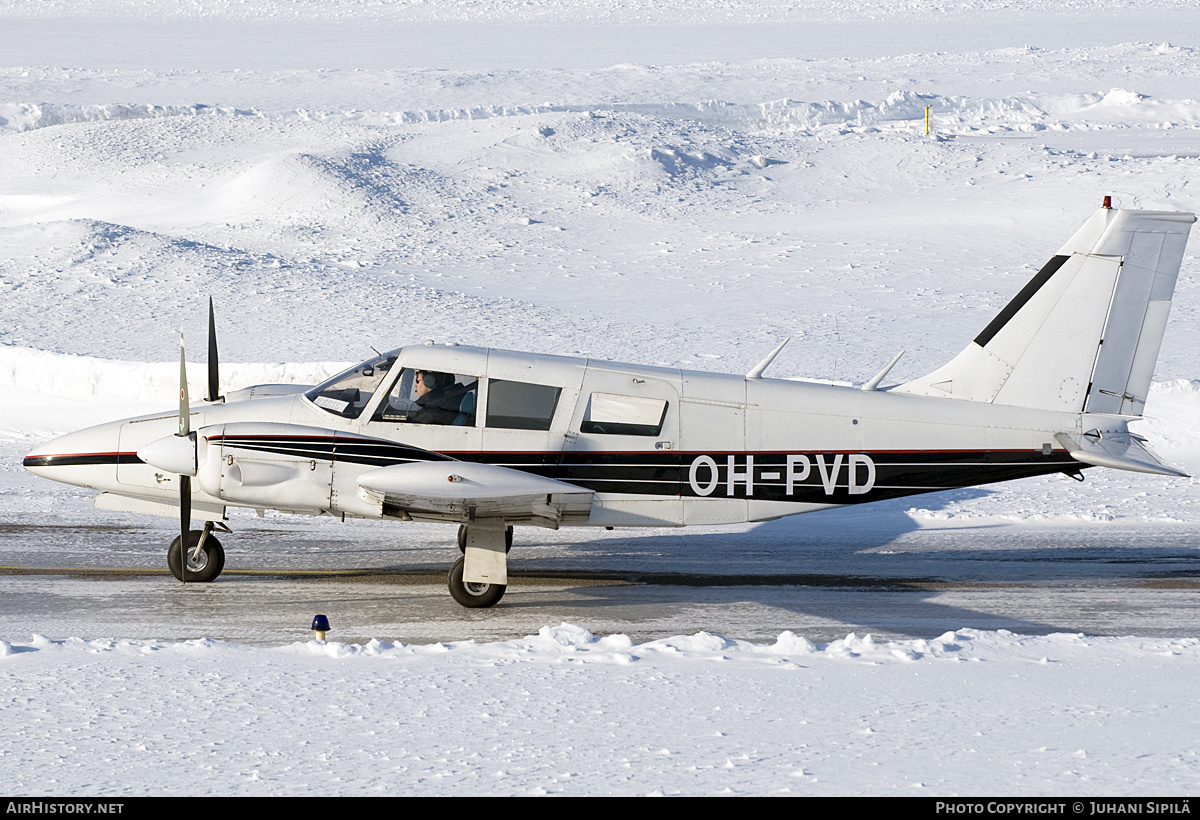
{"x": 462, "y": 539}
{"x": 205, "y": 557}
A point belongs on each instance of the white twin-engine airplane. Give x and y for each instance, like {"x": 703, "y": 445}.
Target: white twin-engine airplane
{"x": 489, "y": 439}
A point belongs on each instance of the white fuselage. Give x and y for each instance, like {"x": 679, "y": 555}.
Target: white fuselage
{"x": 653, "y": 446}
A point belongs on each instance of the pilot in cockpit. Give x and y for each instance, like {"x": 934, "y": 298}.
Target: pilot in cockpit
{"x": 439, "y": 398}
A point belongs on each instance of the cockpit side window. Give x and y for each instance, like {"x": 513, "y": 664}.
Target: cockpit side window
{"x": 348, "y": 393}
{"x": 520, "y": 405}
{"x": 430, "y": 397}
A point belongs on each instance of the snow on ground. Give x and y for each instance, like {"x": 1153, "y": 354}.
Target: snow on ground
{"x": 677, "y": 183}
{"x": 566, "y": 712}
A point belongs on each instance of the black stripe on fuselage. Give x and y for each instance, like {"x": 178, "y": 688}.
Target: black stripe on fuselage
{"x": 668, "y": 473}
{"x": 80, "y": 459}
{"x": 897, "y": 473}
{"x": 372, "y": 452}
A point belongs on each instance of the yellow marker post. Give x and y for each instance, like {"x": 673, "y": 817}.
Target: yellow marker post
{"x": 927, "y": 121}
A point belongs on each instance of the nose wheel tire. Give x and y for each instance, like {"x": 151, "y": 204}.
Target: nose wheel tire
{"x": 473, "y": 596}
{"x": 200, "y": 569}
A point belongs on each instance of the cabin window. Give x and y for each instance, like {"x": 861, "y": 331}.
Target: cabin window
{"x": 610, "y": 414}
{"x": 346, "y": 394}
{"x": 521, "y": 406}
{"x": 430, "y": 397}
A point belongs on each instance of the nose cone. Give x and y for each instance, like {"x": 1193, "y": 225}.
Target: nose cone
{"x": 88, "y": 458}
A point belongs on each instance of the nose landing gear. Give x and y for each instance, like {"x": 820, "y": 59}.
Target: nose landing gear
{"x": 205, "y": 556}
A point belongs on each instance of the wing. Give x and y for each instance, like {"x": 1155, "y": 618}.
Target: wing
{"x": 465, "y": 491}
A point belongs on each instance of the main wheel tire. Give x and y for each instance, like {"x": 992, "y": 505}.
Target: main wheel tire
{"x": 462, "y": 539}
{"x": 473, "y": 596}
{"x": 200, "y": 570}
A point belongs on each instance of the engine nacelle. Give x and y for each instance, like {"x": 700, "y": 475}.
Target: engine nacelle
{"x": 281, "y": 466}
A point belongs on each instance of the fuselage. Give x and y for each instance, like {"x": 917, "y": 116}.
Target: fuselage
{"x": 655, "y": 446}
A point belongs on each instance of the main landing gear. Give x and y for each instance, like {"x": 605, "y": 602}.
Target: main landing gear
{"x": 484, "y": 541}
{"x": 462, "y": 539}
{"x": 205, "y": 557}
{"x": 473, "y": 596}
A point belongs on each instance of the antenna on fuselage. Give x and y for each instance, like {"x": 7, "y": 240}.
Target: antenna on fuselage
{"x": 757, "y": 372}
{"x": 873, "y": 384}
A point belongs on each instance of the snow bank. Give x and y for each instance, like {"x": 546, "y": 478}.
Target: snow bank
{"x": 569, "y": 712}
{"x": 1116, "y": 108}
{"x": 575, "y": 643}
{"x": 46, "y": 394}
{"x": 87, "y": 377}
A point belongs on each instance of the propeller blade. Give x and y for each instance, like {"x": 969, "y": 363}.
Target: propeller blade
{"x": 184, "y": 405}
{"x": 185, "y": 481}
{"x": 214, "y": 384}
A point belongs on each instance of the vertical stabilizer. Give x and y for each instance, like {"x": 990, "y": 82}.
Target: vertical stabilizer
{"x": 1084, "y": 333}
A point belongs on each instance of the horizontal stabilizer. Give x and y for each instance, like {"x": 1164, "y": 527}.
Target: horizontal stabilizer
{"x": 1120, "y": 450}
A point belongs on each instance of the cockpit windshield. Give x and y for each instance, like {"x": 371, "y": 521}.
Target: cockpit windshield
{"x": 348, "y": 393}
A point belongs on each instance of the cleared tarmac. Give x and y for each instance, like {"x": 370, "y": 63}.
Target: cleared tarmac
{"x": 752, "y": 583}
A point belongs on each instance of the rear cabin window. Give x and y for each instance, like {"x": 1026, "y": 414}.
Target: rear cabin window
{"x": 520, "y": 406}
{"x": 610, "y": 414}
